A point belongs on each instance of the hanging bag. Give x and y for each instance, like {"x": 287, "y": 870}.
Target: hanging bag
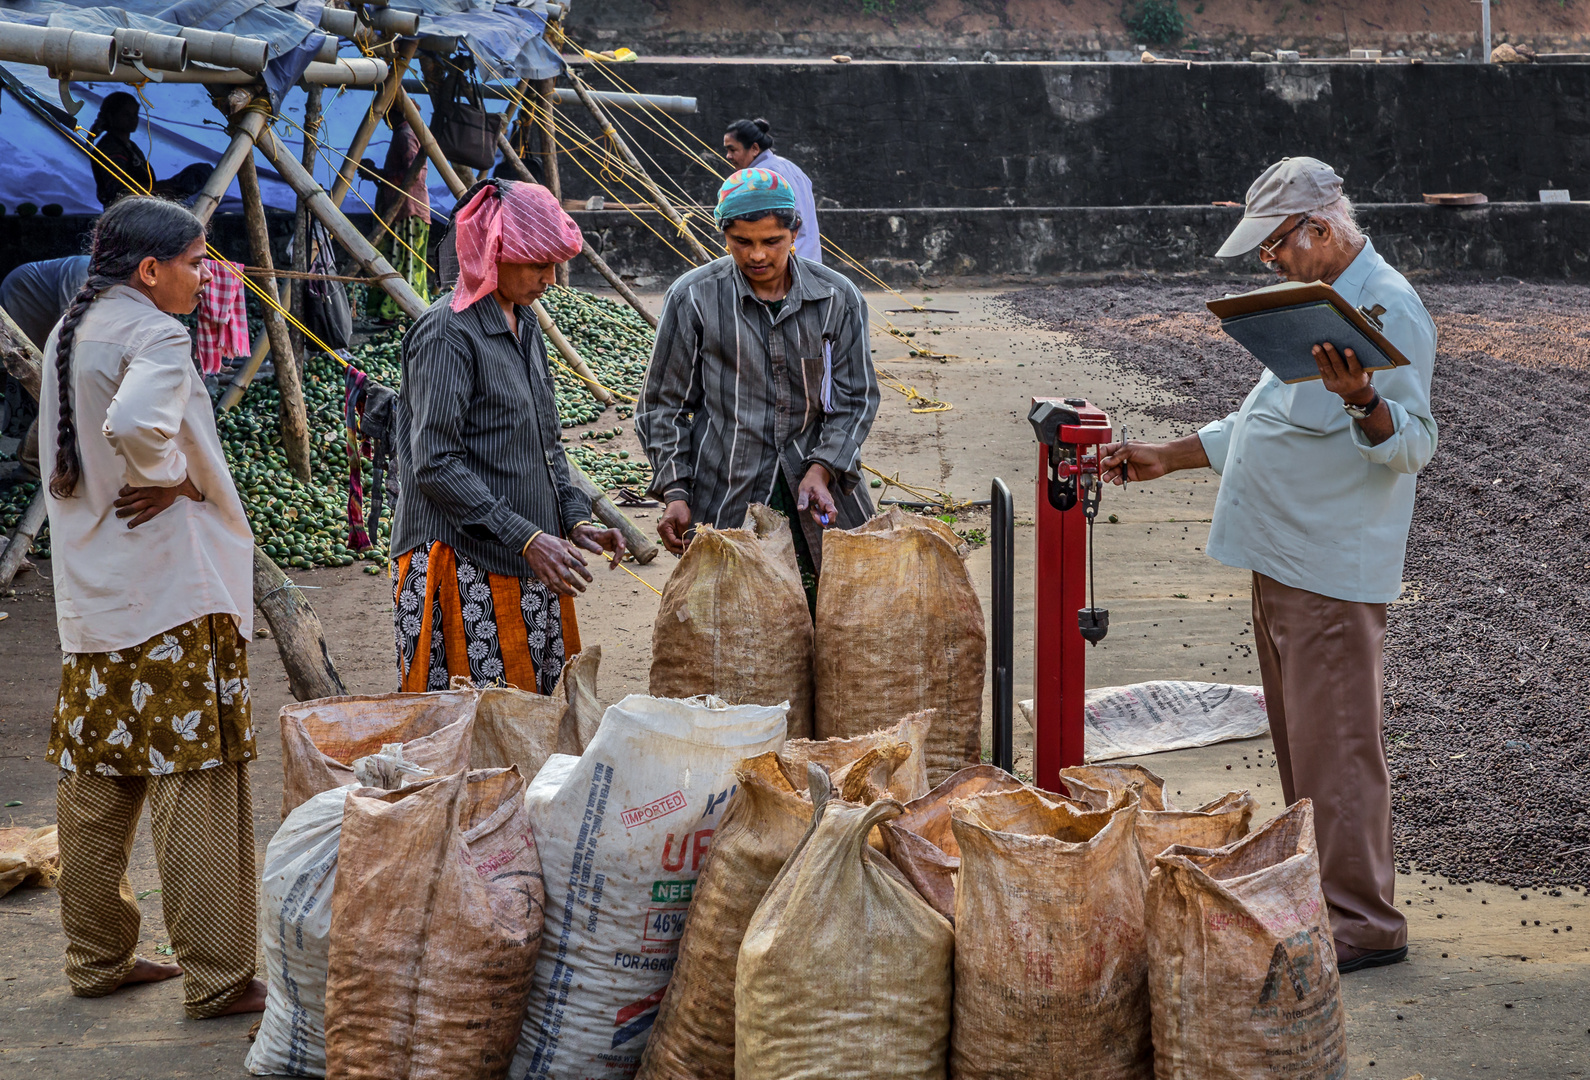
{"x": 465, "y": 131}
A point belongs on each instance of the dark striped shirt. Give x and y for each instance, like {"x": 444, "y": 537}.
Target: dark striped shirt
{"x": 479, "y": 445}
{"x": 736, "y": 394}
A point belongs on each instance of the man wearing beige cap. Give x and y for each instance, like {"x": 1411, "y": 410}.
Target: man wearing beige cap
{"x": 1316, "y": 495}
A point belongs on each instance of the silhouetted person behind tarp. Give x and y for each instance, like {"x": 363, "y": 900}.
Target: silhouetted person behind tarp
{"x": 128, "y": 171}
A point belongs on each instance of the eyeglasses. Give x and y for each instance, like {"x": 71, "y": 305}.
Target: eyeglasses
{"x": 1267, "y": 251}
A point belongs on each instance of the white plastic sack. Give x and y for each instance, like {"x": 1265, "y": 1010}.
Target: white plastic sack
{"x": 1151, "y": 717}
{"x": 295, "y": 925}
{"x": 624, "y": 830}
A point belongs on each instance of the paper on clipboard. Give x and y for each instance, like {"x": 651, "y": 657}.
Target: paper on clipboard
{"x": 1281, "y": 324}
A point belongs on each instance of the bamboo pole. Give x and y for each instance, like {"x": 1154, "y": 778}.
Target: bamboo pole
{"x": 548, "y": 126}
{"x": 570, "y": 356}
{"x": 245, "y": 131}
{"x": 422, "y": 131}
{"x": 22, "y": 539}
{"x": 608, "y": 513}
{"x": 320, "y": 204}
{"x": 511, "y": 156}
{"x": 378, "y": 108}
{"x": 299, "y": 636}
{"x": 656, "y": 192}
{"x": 549, "y": 151}
{"x": 289, "y": 380}
{"x": 301, "y": 245}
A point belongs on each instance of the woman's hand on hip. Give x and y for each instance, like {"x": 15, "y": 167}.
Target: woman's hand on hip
{"x": 557, "y": 564}
{"x": 144, "y": 503}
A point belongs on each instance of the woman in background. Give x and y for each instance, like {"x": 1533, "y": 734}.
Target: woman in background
{"x": 154, "y": 604}
{"x": 125, "y": 170}
{"x": 748, "y": 144}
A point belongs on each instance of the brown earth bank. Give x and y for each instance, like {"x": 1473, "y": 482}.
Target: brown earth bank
{"x": 1487, "y": 701}
{"x": 1067, "y": 30}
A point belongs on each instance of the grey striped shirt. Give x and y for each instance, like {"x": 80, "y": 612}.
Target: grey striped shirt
{"x": 480, "y": 455}
{"x": 735, "y": 394}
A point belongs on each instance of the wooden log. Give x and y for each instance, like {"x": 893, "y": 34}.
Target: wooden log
{"x": 289, "y": 380}
{"x": 22, "y": 539}
{"x": 299, "y": 636}
{"x": 656, "y": 193}
{"x": 517, "y": 163}
{"x": 246, "y": 129}
{"x": 378, "y": 109}
{"x": 422, "y": 131}
{"x": 570, "y": 356}
{"x": 299, "y": 179}
{"x": 608, "y": 513}
{"x": 22, "y": 358}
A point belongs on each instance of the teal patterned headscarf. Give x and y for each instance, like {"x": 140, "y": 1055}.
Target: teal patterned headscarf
{"x": 751, "y": 190}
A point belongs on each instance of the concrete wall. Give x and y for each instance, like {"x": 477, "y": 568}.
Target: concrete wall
{"x": 1060, "y": 134}
{"x": 926, "y": 246}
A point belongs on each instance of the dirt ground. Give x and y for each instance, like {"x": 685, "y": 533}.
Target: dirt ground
{"x": 1481, "y": 995}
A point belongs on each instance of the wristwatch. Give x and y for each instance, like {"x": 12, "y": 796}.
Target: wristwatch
{"x": 1361, "y": 412}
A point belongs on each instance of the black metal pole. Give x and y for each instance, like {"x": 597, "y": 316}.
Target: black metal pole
{"x": 1003, "y": 541}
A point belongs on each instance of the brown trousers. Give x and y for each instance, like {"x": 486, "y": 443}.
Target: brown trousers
{"x": 202, "y": 824}
{"x": 1322, "y": 664}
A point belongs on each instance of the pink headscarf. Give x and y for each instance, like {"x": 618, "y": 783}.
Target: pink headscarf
{"x": 525, "y": 225}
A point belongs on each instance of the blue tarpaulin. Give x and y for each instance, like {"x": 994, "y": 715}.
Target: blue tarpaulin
{"x": 180, "y": 125}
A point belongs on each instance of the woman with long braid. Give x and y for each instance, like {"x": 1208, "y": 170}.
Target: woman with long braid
{"x": 153, "y": 595}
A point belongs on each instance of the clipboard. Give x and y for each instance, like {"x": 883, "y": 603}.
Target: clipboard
{"x": 1281, "y": 324}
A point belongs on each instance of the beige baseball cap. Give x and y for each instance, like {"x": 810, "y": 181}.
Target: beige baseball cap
{"x": 1294, "y": 185}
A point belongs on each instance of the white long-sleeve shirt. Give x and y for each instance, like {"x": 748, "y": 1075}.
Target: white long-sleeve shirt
{"x": 143, "y": 418}
{"x": 1304, "y": 498}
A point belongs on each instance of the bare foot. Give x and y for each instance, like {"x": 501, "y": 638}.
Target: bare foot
{"x": 148, "y": 971}
{"x": 252, "y": 1001}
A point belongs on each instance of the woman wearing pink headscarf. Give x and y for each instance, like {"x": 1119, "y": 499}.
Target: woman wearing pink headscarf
{"x": 489, "y": 529}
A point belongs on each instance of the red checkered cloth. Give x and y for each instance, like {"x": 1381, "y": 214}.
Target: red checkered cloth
{"x": 223, "y": 321}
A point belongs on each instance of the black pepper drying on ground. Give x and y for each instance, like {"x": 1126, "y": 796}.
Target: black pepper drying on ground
{"x": 1488, "y": 657}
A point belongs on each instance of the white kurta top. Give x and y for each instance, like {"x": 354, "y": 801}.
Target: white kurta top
{"x": 143, "y": 418}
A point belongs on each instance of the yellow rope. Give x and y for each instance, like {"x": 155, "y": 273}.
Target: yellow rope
{"x": 929, "y": 496}
{"x": 929, "y": 405}
{"x": 632, "y": 574}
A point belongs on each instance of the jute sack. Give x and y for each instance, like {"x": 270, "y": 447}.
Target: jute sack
{"x": 1213, "y": 825}
{"x": 516, "y": 727}
{"x": 845, "y": 972}
{"x": 733, "y": 621}
{"x": 921, "y": 843}
{"x": 322, "y": 738}
{"x": 296, "y": 891}
{"x": 1241, "y": 964}
{"x": 1083, "y": 782}
{"x": 625, "y": 830}
{"x": 435, "y": 926}
{"x": 693, "y": 1038}
{"x": 29, "y": 857}
{"x": 837, "y": 756}
{"x": 1051, "y": 963}
{"x": 899, "y": 631}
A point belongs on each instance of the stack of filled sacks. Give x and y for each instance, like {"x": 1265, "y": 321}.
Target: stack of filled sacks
{"x": 898, "y": 630}
{"x": 1099, "y": 932}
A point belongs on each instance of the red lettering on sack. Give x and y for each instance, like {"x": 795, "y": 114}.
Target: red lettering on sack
{"x": 486, "y": 867}
{"x": 698, "y": 850}
{"x": 673, "y": 866}
{"x": 658, "y": 808}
